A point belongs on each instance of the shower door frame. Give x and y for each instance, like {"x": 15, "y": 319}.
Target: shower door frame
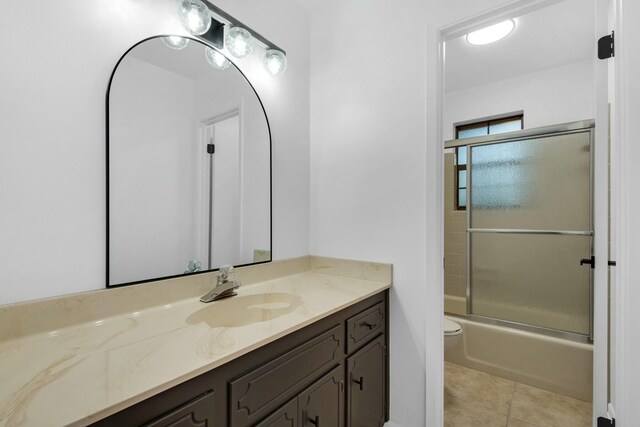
{"x": 582, "y": 126}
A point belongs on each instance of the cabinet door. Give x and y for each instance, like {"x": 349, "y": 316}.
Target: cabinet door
{"x": 261, "y": 391}
{"x": 287, "y": 416}
{"x": 366, "y": 400}
{"x": 322, "y": 404}
{"x": 197, "y": 413}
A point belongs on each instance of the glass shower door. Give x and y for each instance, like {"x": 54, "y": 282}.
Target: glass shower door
{"x": 529, "y": 226}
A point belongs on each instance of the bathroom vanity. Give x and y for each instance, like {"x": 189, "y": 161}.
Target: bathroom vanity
{"x": 304, "y": 343}
{"x": 333, "y": 368}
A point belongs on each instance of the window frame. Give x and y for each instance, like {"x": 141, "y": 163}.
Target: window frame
{"x": 457, "y": 167}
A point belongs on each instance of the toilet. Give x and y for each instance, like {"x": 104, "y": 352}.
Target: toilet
{"x": 452, "y": 331}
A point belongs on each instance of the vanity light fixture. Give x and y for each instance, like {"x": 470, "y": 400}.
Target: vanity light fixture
{"x": 275, "y": 61}
{"x": 210, "y": 23}
{"x": 239, "y": 42}
{"x": 175, "y": 42}
{"x": 216, "y": 59}
{"x": 195, "y": 16}
{"x": 492, "y": 33}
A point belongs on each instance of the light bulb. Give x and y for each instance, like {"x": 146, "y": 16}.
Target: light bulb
{"x": 492, "y": 33}
{"x": 275, "y": 61}
{"x": 216, "y": 59}
{"x": 175, "y": 42}
{"x": 239, "y": 42}
{"x": 195, "y": 16}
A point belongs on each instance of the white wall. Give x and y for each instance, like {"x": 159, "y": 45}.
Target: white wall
{"x": 558, "y": 95}
{"x": 375, "y": 176}
{"x": 52, "y": 132}
{"x": 368, "y": 196}
{"x": 286, "y": 100}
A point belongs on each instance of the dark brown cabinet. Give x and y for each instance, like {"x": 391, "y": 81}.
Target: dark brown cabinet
{"x": 332, "y": 373}
{"x": 287, "y": 416}
{"x": 322, "y": 404}
{"x": 197, "y": 413}
{"x": 254, "y": 395}
{"x": 366, "y": 394}
{"x": 364, "y": 326}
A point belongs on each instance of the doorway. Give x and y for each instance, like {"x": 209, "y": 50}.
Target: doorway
{"x": 220, "y": 190}
{"x": 509, "y": 270}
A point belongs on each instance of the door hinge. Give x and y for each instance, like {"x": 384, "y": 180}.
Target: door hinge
{"x": 211, "y": 148}
{"x": 606, "y": 47}
{"x": 606, "y": 422}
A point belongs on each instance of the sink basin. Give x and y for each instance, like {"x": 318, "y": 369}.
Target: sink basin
{"x": 245, "y": 309}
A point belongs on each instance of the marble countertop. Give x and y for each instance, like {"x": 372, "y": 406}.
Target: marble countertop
{"x": 89, "y": 365}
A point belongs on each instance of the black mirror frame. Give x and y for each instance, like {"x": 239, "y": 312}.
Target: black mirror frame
{"x": 212, "y": 45}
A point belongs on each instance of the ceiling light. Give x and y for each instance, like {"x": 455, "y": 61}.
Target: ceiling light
{"x": 195, "y": 16}
{"x": 491, "y": 34}
{"x": 175, "y": 42}
{"x": 239, "y": 42}
{"x": 216, "y": 59}
{"x": 275, "y": 61}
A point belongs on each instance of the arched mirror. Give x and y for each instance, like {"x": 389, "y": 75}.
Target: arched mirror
{"x": 188, "y": 161}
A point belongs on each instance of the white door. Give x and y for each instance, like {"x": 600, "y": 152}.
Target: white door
{"x": 601, "y": 222}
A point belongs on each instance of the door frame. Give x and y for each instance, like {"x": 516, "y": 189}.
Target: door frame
{"x": 202, "y": 192}
{"x": 600, "y": 195}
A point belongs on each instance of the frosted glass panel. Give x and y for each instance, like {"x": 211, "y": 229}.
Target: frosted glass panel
{"x": 531, "y": 279}
{"x": 541, "y": 183}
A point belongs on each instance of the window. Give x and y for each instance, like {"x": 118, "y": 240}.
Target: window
{"x": 461, "y": 178}
{"x": 471, "y": 130}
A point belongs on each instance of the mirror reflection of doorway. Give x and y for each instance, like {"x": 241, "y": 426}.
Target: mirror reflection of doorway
{"x": 222, "y": 149}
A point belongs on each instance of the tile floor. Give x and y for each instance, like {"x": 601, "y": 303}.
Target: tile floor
{"x": 477, "y": 399}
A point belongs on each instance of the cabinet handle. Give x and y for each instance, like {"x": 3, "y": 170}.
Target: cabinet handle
{"x": 591, "y": 261}
{"x": 360, "y": 382}
{"x": 371, "y": 326}
{"x": 315, "y": 421}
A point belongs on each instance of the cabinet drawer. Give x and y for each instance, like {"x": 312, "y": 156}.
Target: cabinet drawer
{"x": 364, "y": 326}
{"x": 197, "y": 413}
{"x": 254, "y": 395}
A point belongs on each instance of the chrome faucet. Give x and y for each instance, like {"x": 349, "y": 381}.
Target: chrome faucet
{"x": 225, "y": 287}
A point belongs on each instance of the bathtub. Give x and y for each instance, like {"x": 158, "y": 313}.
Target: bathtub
{"x": 554, "y": 364}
